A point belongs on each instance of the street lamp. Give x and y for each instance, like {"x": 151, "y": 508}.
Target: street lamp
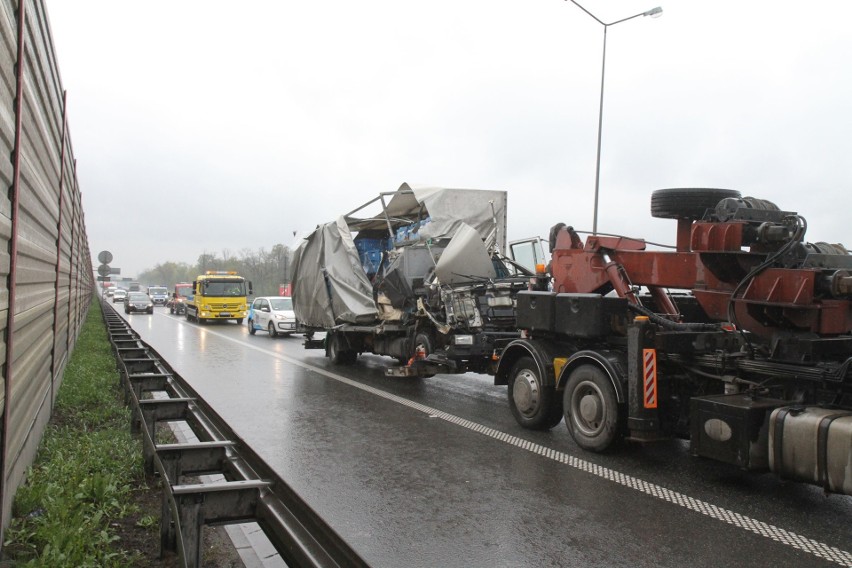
{"x": 654, "y": 13}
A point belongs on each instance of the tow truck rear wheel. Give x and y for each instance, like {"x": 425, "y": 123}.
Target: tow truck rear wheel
{"x": 533, "y": 404}
{"x": 591, "y": 409}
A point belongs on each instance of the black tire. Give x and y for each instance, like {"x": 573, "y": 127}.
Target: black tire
{"x": 338, "y": 354}
{"x": 424, "y": 340}
{"x": 687, "y": 202}
{"x": 309, "y": 335}
{"x": 252, "y": 330}
{"x": 239, "y": 321}
{"x": 534, "y": 405}
{"x": 271, "y": 329}
{"x": 150, "y": 310}
{"x": 591, "y": 409}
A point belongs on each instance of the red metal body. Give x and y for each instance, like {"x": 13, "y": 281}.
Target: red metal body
{"x": 712, "y": 266}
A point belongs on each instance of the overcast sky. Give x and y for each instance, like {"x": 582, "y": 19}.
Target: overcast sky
{"x": 210, "y": 126}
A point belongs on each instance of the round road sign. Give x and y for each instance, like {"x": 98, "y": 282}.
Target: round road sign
{"x": 105, "y": 257}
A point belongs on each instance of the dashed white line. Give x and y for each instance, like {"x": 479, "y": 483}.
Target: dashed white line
{"x": 772, "y": 532}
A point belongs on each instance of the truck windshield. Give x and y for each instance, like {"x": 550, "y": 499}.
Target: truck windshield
{"x": 225, "y": 288}
{"x": 184, "y": 292}
{"x": 156, "y": 290}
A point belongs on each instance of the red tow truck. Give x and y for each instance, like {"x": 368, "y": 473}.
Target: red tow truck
{"x": 739, "y": 340}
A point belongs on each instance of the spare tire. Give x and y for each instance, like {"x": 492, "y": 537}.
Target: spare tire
{"x": 687, "y": 202}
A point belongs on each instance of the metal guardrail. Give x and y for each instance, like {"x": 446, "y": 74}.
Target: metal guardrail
{"x": 251, "y": 491}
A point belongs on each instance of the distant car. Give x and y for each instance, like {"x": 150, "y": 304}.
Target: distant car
{"x": 273, "y": 314}
{"x": 119, "y": 296}
{"x": 159, "y": 295}
{"x": 138, "y": 302}
{"x": 109, "y": 292}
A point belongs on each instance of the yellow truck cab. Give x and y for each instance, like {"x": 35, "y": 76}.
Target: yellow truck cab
{"x": 218, "y": 295}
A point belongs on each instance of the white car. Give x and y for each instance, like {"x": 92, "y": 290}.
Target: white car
{"x": 273, "y": 314}
{"x": 119, "y": 296}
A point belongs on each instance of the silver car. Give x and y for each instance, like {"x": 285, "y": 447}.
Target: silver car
{"x": 273, "y": 314}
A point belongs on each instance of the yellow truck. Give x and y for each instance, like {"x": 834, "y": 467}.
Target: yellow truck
{"x": 218, "y": 295}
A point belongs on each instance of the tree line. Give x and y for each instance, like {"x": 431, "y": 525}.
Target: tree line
{"x": 267, "y": 270}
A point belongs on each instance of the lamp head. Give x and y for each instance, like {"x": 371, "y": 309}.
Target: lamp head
{"x": 654, "y": 13}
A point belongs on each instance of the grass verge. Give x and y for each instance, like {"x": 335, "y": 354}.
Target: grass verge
{"x": 83, "y": 489}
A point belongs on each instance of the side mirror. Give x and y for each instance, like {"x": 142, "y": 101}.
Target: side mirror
{"x": 251, "y": 292}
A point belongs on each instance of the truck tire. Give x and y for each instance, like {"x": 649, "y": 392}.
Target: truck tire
{"x": 239, "y": 321}
{"x": 687, "y": 202}
{"x": 337, "y": 353}
{"x": 591, "y": 409}
{"x": 424, "y": 340}
{"x": 534, "y": 405}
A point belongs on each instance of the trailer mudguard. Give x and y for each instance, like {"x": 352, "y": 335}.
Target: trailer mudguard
{"x": 540, "y": 351}
{"x": 613, "y": 363}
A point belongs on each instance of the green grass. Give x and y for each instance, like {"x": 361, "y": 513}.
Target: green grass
{"x": 88, "y": 466}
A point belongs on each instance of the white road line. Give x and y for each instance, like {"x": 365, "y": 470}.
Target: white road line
{"x": 780, "y": 535}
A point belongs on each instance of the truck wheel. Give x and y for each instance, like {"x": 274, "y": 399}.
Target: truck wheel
{"x": 534, "y": 405}
{"x": 591, "y": 409}
{"x": 687, "y": 202}
{"x": 239, "y": 321}
{"x": 271, "y": 330}
{"x": 252, "y": 330}
{"x": 424, "y": 340}
{"x": 337, "y": 354}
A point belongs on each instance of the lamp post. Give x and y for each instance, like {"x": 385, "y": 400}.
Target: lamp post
{"x": 654, "y": 13}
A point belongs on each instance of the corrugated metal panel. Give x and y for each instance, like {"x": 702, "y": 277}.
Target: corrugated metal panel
{"x": 8, "y": 55}
{"x": 37, "y": 211}
{"x": 48, "y": 283}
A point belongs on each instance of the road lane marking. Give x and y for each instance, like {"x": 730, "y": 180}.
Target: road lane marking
{"x": 772, "y": 532}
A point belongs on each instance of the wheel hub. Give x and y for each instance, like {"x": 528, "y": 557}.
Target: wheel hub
{"x": 591, "y": 409}
{"x": 526, "y": 392}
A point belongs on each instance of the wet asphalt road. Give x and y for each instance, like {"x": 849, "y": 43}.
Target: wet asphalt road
{"x": 435, "y": 472}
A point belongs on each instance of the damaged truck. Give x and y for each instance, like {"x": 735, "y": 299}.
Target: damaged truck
{"x": 417, "y": 275}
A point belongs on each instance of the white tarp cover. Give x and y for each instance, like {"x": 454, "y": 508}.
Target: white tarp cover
{"x": 464, "y": 259}
{"x": 448, "y": 209}
{"x": 330, "y": 251}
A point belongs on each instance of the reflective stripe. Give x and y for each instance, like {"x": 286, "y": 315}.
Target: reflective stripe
{"x": 649, "y": 368}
